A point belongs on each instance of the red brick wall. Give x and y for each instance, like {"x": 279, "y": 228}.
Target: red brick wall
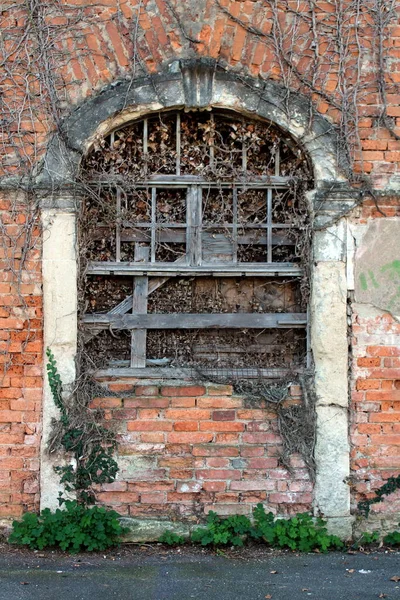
{"x": 85, "y": 57}
{"x": 197, "y": 448}
{"x": 375, "y": 431}
{"x": 20, "y": 358}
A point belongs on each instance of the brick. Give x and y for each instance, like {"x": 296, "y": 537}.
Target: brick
{"x": 383, "y": 350}
{"x": 152, "y": 438}
{"x": 223, "y": 415}
{"x": 158, "y": 425}
{"x": 219, "y": 390}
{"x": 146, "y": 402}
{"x": 191, "y": 390}
{"x": 181, "y": 473}
{"x": 153, "y": 498}
{"x": 229, "y": 509}
{"x": 219, "y": 402}
{"x": 369, "y": 362}
{"x": 262, "y": 463}
{"x": 263, "y": 484}
{"x": 368, "y": 384}
{"x": 187, "y": 414}
{"x": 218, "y": 462}
{"x": 215, "y": 451}
{"x": 227, "y": 438}
{"x": 186, "y": 426}
{"x": 221, "y": 426}
{"x": 385, "y": 417}
{"x": 107, "y": 402}
{"x": 10, "y": 416}
{"x": 147, "y": 390}
{"x": 218, "y": 474}
{"x": 176, "y": 461}
{"x": 11, "y": 464}
{"x": 118, "y": 497}
{"x": 190, "y": 438}
{"x": 214, "y": 486}
{"x": 261, "y": 438}
{"x": 185, "y": 487}
{"x": 183, "y": 402}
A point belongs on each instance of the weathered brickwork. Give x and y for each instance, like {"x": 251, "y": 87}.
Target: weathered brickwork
{"x": 111, "y": 41}
{"x": 21, "y": 361}
{"x": 375, "y": 431}
{"x": 185, "y": 449}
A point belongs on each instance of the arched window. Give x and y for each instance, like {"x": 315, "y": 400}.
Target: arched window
{"x": 195, "y": 239}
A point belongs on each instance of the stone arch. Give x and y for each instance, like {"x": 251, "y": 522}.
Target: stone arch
{"x": 200, "y": 84}
{"x": 194, "y": 84}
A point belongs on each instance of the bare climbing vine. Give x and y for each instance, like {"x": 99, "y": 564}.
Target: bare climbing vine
{"x": 334, "y": 57}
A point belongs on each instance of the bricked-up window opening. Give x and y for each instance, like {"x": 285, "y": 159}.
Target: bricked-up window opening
{"x": 195, "y": 236}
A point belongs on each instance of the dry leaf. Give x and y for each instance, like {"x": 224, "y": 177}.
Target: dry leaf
{"x": 268, "y": 596}
{"x": 350, "y": 570}
{"x": 395, "y": 578}
{"x": 273, "y": 572}
{"x": 382, "y": 595}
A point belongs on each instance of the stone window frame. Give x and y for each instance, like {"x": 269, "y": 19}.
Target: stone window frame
{"x": 200, "y": 84}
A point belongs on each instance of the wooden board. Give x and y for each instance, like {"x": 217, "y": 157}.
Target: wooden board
{"x": 199, "y": 321}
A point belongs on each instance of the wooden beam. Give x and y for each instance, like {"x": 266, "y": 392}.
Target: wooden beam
{"x": 198, "y": 321}
{"x": 216, "y": 270}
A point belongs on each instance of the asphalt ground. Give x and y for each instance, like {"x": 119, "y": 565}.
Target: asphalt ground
{"x": 157, "y": 574}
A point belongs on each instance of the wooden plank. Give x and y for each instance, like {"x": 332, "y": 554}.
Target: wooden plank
{"x": 192, "y": 228}
{"x": 185, "y": 373}
{"x": 198, "y": 321}
{"x": 172, "y": 270}
{"x": 182, "y": 181}
{"x": 139, "y": 307}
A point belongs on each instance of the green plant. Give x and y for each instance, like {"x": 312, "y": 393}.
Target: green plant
{"x": 393, "y": 538}
{"x": 171, "y": 539}
{"x": 230, "y": 531}
{"x": 91, "y": 445}
{"x": 302, "y": 532}
{"x": 73, "y": 528}
{"x": 366, "y": 539}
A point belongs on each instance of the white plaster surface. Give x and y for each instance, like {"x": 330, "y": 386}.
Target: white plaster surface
{"x": 330, "y": 243}
{"x": 377, "y": 266}
{"x": 330, "y": 352}
{"x": 60, "y": 326}
{"x": 329, "y": 332}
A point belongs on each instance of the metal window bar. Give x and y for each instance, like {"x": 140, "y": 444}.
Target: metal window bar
{"x": 153, "y": 224}
{"x": 235, "y": 226}
{"x": 212, "y": 139}
{"x": 118, "y": 227}
{"x": 269, "y": 225}
{"x": 277, "y": 160}
{"x": 178, "y": 144}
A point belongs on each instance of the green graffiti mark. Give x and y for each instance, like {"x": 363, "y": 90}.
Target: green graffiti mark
{"x": 393, "y": 270}
{"x": 373, "y": 280}
{"x": 364, "y": 281}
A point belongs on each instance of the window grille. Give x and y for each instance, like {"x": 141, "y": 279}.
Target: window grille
{"x": 195, "y": 198}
